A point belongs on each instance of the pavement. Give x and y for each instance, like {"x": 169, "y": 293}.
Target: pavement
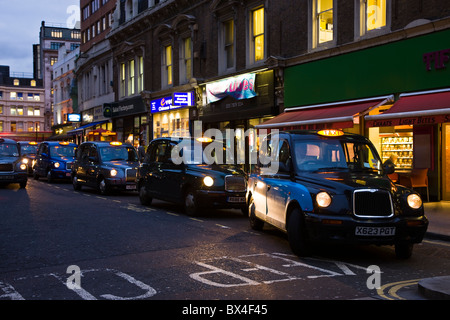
{"x": 438, "y": 214}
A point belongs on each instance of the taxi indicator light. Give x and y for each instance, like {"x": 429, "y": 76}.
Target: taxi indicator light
{"x": 331, "y": 133}
{"x": 115, "y": 143}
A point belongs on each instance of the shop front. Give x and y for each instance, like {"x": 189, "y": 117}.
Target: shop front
{"x": 397, "y": 95}
{"x": 239, "y": 104}
{"x": 130, "y": 121}
{"x": 171, "y": 115}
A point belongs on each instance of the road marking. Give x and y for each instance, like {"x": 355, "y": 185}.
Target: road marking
{"x": 222, "y": 226}
{"x": 195, "y": 219}
{"x": 101, "y": 198}
{"x": 394, "y": 287}
{"x": 172, "y": 214}
{"x": 438, "y": 243}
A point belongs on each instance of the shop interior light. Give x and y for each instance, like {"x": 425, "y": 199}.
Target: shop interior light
{"x": 331, "y": 133}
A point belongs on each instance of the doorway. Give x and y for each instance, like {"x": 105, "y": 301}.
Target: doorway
{"x": 446, "y": 161}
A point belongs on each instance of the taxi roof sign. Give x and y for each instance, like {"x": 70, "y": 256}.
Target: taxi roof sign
{"x": 331, "y": 133}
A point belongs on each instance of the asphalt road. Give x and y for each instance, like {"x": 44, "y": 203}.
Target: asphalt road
{"x": 58, "y": 244}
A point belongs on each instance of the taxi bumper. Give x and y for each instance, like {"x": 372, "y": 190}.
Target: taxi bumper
{"x": 13, "y": 177}
{"x": 221, "y": 199}
{"x": 352, "y": 230}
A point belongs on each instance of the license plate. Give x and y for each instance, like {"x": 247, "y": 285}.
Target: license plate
{"x": 375, "y": 231}
{"x": 130, "y": 187}
{"x": 236, "y": 199}
{"x": 6, "y": 177}
{"x": 67, "y": 174}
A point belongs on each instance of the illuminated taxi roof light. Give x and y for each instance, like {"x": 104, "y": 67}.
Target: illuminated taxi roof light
{"x": 33, "y": 143}
{"x": 64, "y": 143}
{"x": 115, "y": 143}
{"x": 204, "y": 139}
{"x": 331, "y": 133}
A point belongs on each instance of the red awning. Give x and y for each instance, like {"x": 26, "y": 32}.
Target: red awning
{"x": 415, "y": 109}
{"x": 333, "y": 116}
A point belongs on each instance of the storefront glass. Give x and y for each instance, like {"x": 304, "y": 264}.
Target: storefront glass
{"x": 171, "y": 124}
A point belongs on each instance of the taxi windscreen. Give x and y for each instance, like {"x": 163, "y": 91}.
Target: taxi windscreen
{"x": 118, "y": 153}
{"x": 333, "y": 154}
{"x": 9, "y": 150}
{"x": 62, "y": 151}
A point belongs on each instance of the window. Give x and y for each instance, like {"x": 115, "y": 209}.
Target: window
{"x": 373, "y": 16}
{"x": 186, "y": 60}
{"x": 37, "y": 112}
{"x": 33, "y": 83}
{"x": 30, "y": 111}
{"x": 13, "y": 126}
{"x": 227, "y": 52}
{"x": 323, "y": 22}
{"x": 76, "y": 34}
{"x": 57, "y": 34}
{"x": 122, "y": 79}
{"x": 167, "y": 66}
{"x": 1, "y": 126}
{"x": 13, "y": 95}
{"x": 13, "y": 111}
{"x": 53, "y": 60}
{"x": 258, "y": 34}
{"x": 16, "y": 82}
{"x": 141, "y": 74}
{"x": 1, "y": 109}
{"x": 131, "y": 78}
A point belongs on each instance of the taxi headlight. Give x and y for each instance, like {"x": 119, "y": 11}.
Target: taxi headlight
{"x": 208, "y": 181}
{"x": 414, "y": 201}
{"x": 323, "y": 199}
{"x": 57, "y": 164}
{"x": 23, "y": 166}
{"x": 113, "y": 172}
{"x": 25, "y": 161}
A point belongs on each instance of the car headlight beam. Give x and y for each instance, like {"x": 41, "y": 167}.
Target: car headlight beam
{"x": 208, "y": 181}
{"x": 414, "y": 201}
{"x": 323, "y": 199}
{"x": 56, "y": 164}
{"x": 113, "y": 172}
{"x": 23, "y": 166}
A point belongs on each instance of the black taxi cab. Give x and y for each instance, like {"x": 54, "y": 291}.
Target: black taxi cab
{"x": 331, "y": 187}
{"x": 28, "y": 151}
{"x": 13, "y": 168}
{"x": 54, "y": 160}
{"x": 191, "y": 172}
{"x": 105, "y": 166}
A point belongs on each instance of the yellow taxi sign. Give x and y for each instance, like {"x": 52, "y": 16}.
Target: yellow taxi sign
{"x": 204, "y": 139}
{"x": 115, "y": 143}
{"x": 331, "y": 133}
{"x": 33, "y": 143}
{"x": 64, "y": 143}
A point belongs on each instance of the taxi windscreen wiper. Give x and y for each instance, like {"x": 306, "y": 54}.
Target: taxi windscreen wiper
{"x": 331, "y": 168}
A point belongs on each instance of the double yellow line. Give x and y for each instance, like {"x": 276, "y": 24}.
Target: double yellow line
{"x": 392, "y": 289}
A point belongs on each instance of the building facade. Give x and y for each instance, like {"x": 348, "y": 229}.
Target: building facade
{"x": 94, "y": 70}
{"x": 21, "y": 107}
{"x": 51, "y": 38}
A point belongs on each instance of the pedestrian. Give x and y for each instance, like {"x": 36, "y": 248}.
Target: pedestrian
{"x": 141, "y": 150}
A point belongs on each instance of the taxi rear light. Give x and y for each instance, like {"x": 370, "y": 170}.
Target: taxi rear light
{"x": 331, "y": 133}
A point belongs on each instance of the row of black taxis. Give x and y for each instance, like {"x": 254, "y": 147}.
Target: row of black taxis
{"x": 318, "y": 187}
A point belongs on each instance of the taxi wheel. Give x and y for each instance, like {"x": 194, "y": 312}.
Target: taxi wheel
{"x": 297, "y": 234}
{"x": 23, "y": 185}
{"x": 190, "y": 203}
{"x": 103, "y": 187}
{"x": 35, "y": 175}
{"x": 49, "y": 177}
{"x": 255, "y": 223}
{"x": 76, "y": 185}
{"x": 403, "y": 250}
{"x": 144, "y": 197}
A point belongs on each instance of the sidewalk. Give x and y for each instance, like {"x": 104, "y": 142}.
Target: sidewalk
{"x": 438, "y": 214}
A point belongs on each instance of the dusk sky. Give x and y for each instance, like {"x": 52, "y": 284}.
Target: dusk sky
{"x": 20, "y": 21}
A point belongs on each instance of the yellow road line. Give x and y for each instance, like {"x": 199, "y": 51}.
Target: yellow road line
{"x": 394, "y": 287}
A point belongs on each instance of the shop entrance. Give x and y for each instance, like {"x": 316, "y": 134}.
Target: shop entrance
{"x": 446, "y": 161}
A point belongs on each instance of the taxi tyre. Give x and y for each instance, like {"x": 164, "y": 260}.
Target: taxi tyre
{"x": 297, "y": 234}
{"x": 103, "y": 187}
{"x": 255, "y": 223}
{"x": 23, "y": 184}
{"x": 49, "y": 176}
{"x": 144, "y": 198}
{"x": 403, "y": 250}
{"x": 76, "y": 185}
{"x": 190, "y": 202}
{"x": 35, "y": 175}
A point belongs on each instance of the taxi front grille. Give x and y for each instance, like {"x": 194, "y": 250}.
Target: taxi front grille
{"x": 372, "y": 203}
{"x": 131, "y": 174}
{"x": 69, "y": 165}
{"x": 235, "y": 184}
{"x": 6, "y": 167}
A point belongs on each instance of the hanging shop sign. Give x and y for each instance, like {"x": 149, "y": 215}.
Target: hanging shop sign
{"x": 239, "y": 87}
{"x": 74, "y": 117}
{"x": 391, "y": 122}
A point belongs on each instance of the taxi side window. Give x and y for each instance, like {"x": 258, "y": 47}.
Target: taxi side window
{"x": 284, "y": 157}
{"x": 159, "y": 152}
